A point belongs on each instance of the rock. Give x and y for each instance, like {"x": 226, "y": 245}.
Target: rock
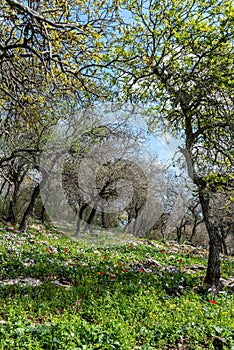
{"x": 152, "y": 263}
{"x": 171, "y": 269}
{"x": 197, "y": 267}
{"x": 229, "y": 283}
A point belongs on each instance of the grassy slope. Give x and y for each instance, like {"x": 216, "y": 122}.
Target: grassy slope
{"x": 56, "y": 293}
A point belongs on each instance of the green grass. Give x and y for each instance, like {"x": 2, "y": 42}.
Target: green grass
{"x": 131, "y": 296}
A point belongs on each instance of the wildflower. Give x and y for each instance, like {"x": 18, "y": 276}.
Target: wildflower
{"x": 162, "y": 250}
{"x": 124, "y": 270}
{"x": 112, "y": 276}
{"x": 139, "y": 270}
{"x": 119, "y": 263}
{"x": 105, "y": 257}
{"x": 180, "y": 261}
{"x": 101, "y": 273}
{"x": 213, "y": 301}
{"x": 169, "y": 253}
{"x": 65, "y": 250}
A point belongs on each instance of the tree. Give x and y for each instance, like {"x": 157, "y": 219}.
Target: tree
{"x": 223, "y": 216}
{"x": 184, "y": 209}
{"x": 47, "y": 56}
{"x": 50, "y": 48}
{"x": 19, "y": 154}
{"x": 195, "y": 209}
{"x": 114, "y": 181}
{"x": 180, "y": 60}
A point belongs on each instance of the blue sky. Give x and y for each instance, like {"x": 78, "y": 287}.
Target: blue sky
{"x": 164, "y": 147}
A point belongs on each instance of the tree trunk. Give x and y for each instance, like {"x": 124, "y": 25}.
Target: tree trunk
{"x": 194, "y": 230}
{"x": 43, "y": 213}
{"x": 28, "y": 212}
{"x": 215, "y": 243}
{"x": 178, "y": 234}
{"x": 137, "y": 210}
{"x": 11, "y": 217}
{"x": 129, "y": 225}
{"x": 11, "y": 212}
{"x": 103, "y": 220}
{"x": 223, "y": 237}
{"x": 163, "y": 232}
{"x": 80, "y": 217}
{"x": 179, "y": 231}
{"x": 91, "y": 217}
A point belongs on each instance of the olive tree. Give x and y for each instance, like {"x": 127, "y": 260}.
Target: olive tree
{"x": 179, "y": 61}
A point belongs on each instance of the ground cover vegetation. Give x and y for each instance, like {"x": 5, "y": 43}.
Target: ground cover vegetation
{"x": 57, "y": 293}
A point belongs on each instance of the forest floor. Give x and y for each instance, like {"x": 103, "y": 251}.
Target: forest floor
{"x": 60, "y": 293}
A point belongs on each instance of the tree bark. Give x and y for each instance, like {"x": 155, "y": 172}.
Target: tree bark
{"x": 80, "y": 217}
{"x": 17, "y": 180}
{"x": 11, "y": 217}
{"x": 179, "y": 232}
{"x": 43, "y": 213}
{"x": 28, "y": 212}
{"x": 223, "y": 237}
{"x": 11, "y": 212}
{"x": 212, "y": 277}
{"x": 194, "y": 229}
{"x": 137, "y": 210}
{"x": 91, "y": 217}
{"x": 213, "y": 269}
{"x": 103, "y": 220}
